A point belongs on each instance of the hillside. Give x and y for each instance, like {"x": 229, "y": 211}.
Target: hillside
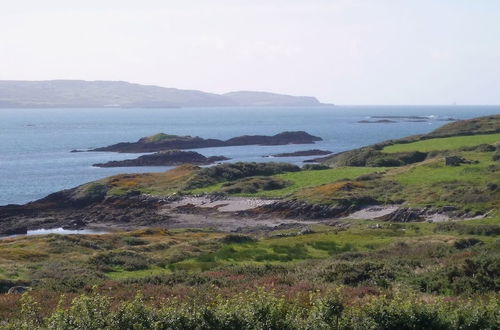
{"x": 79, "y": 93}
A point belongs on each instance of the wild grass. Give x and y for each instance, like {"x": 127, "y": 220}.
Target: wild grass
{"x": 447, "y": 143}
{"x": 301, "y": 180}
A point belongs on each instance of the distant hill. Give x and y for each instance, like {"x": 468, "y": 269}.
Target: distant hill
{"x": 79, "y": 93}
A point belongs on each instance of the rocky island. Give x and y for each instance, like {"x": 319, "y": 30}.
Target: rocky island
{"x": 162, "y": 141}
{"x": 165, "y": 158}
{"x": 312, "y": 152}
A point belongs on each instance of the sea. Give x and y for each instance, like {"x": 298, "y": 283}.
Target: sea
{"x": 36, "y": 144}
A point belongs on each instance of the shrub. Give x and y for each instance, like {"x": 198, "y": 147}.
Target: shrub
{"x": 364, "y": 272}
{"x": 128, "y": 260}
{"x": 480, "y": 229}
{"x": 253, "y": 185}
{"x": 133, "y": 241}
{"x": 65, "y": 277}
{"x": 465, "y": 243}
{"x": 232, "y": 238}
{"x": 264, "y": 310}
{"x": 315, "y": 167}
{"x": 96, "y": 192}
{"x": 235, "y": 171}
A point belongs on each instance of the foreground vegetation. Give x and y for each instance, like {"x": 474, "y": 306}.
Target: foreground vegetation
{"x": 366, "y": 276}
{"x": 263, "y": 310}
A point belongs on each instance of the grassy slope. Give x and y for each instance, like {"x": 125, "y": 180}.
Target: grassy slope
{"x": 454, "y": 142}
{"x": 301, "y": 180}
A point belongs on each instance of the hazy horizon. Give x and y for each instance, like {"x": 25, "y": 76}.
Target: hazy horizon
{"x": 346, "y": 52}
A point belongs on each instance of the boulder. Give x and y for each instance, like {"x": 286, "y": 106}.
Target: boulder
{"x": 18, "y": 290}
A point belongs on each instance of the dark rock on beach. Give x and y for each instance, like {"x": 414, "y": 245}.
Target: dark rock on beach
{"x": 161, "y": 141}
{"x": 165, "y": 158}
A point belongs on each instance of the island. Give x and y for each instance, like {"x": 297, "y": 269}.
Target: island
{"x": 379, "y": 121}
{"x": 165, "y": 158}
{"x": 162, "y": 141}
{"x": 312, "y": 152}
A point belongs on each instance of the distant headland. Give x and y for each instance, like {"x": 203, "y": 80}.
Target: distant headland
{"x": 121, "y": 94}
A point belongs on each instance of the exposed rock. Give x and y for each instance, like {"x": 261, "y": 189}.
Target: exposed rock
{"x": 163, "y": 141}
{"x": 21, "y": 230}
{"x": 18, "y": 290}
{"x": 165, "y": 158}
{"x": 306, "y": 230}
{"x": 299, "y": 209}
{"x": 456, "y": 161}
{"x": 405, "y": 215}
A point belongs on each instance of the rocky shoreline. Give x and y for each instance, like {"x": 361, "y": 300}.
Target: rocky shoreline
{"x": 135, "y": 210}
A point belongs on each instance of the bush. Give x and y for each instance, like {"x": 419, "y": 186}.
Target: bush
{"x": 364, "y": 272}
{"x": 466, "y": 243}
{"x": 65, "y": 277}
{"x": 232, "y": 238}
{"x": 315, "y": 167}
{"x": 480, "y": 229}
{"x": 253, "y": 185}
{"x": 478, "y": 275}
{"x": 264, "y": 310}
{"x": 96, "y": 192}
{"x": 235, "y": 171}
{"x": 128, "y": 260}
{"x": 134, "y": 241}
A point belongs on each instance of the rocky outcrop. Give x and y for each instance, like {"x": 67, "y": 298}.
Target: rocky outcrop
{"x": 165, "y": 158}
{"x": 456, "y": 161}
{"x": 161, "y": 141}
{"x": 405, "y": 215}
{"x": 312, "y": 152}
{"x": 18, "y": 290}
{"x": 299, "y": 209}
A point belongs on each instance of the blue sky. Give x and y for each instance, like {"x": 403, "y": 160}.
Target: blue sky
{"x": 342, "y": 51}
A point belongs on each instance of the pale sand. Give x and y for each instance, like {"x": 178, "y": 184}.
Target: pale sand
{"x": 233, "y": 204}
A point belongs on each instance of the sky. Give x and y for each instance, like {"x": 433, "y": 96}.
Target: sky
{"x": 385, "y": 52}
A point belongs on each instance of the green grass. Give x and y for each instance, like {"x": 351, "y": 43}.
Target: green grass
{"x": 324, "y": 243}
{"x": 436, "y": 171}
{"x": 302, "y": 179}
{"x": 454, "y": 142}
{"x": 124, "y": 274}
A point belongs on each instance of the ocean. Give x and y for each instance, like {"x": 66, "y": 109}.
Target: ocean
{"x": 35, "y": 144}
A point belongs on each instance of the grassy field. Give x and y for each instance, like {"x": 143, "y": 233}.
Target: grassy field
{"x": 448, "y": 143}
{"x": 301, "y": 180}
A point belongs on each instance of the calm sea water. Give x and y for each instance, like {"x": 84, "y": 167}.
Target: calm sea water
{"x": 35, "y": 144}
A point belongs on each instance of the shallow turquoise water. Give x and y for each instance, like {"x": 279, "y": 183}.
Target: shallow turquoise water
{"x": 35, "y": 144}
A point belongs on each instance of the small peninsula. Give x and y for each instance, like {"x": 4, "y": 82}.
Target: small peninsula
{"x": 165, "y": 158}
{"x": 162, "y": 141}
